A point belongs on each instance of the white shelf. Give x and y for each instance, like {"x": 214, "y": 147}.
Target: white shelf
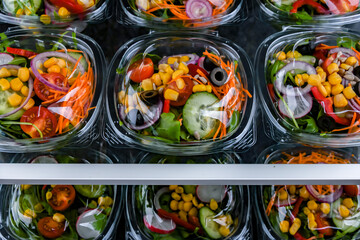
{"x": 163, "y": 174}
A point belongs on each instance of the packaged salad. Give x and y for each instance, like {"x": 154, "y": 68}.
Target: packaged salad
{"x": 188, "y": 211}
{"x": 172, "y": 91}
{"x": 309, "y": 86}
{"x": 49, "y": 88}
{"x": 55, "y": 13}
{"x": 192, "y": 14}
{"x": 310, "y": 12}
{"x": 308, "y": 211}
{"x": 68, "y": 212}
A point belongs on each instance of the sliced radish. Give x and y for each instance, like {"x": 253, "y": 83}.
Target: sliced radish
{"x": 5, "y": 58}
{"x": 90, "y": 224}
{"x": 44, "y": 159}
{"x": 298, "y": 105}
{"x": 217, "y": 3}
{"x": 160, "y": 225}
{"x": 197, "y": 9}
{"x": 158, "y": 195}
{"x": 207, "y": 192}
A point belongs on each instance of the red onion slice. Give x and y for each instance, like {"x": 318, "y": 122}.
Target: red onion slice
{"x": 299, "y": 106}
{"x": 346, "y": 51}
{"x": 5, "y": 58}
{"x": 43, "y": 56}
{"x": 354, "y": 105}
{"x": 287, "y": 202}
{"x": 196, "y": 9}
{"x": 217, "y": 3}
{"x": 30, "y": 86}
{"x": 290, "y": 90}
{"x": 325, "y": 198}
{"x": 193, "y": 58}
{"x": 157, "y": 196}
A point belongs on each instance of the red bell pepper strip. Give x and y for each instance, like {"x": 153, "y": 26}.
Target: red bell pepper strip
{"x": 71, "y": 5}
{"x": 298, "y": 236}
{"x": 323, "y": 226}
{"x": 318, "y": 7}
{"x": 271, "y": 90}
{"x": 166, "y": 107}
{"x": 20, "y": 52}
{"x": 173, "y": 216}
{"x": 327, "y": 104}
{"x": 296, "y": 209}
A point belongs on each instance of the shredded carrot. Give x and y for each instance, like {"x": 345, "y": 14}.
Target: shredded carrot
{"x": 70, "y": 50}
{"x": 324, "y": 46}
{"x": 357, "y": 53}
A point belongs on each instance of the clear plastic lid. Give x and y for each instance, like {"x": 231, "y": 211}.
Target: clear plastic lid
{"x": 310, "y": 12}
{"x": 60, "y": 211}
{"x": 51, "y": 83}
{"x": 53, "y": 13}
{"x": 188, "y": 211}
{"x": 192, "y": 14}
{"x": 308, "y": 211}
{"x": 309, "y": 85}
{"x": 189, "y": 91}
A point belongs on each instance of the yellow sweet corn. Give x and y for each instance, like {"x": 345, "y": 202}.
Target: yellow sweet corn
{"x": 171, "y": 94}
{"x": 16, "y": 84}
{"x": 180, "y": 83}
{"x": 14, "y": 100}
{"x": 328, "y": 87}
{"x": 165, "y": 77}
{"x": 224, "y": 231}
{"x": 187, "y": 206}
{"x": 4, "y": 73}
{"x": 54, "y": 69}
{"x": 345, "y": 66}
{"x": 351, "y": 61}
{"x": 294, "y": 227}
{"x": 156, "y": 79}
{"x": 61, "y": 63}
{"x": 349, "y": 92}
{"x": 177, "y": 73}
{"x": 38, "y": 207}
{"x": 280, "y": 55}
{"x": 184, "y": 58}
{"x": 348, "y": 202}
{"x": 147, "y": 84}
{"x": 325, "y": 208}
{"x": 48, "y": 195}
{"x": 299, "y": 80}
{"x": 4, "y": 84}
{"x": 23, "y": 74}
{"x": 200, "y": 205}
{"x": 312, "y": 225}
{"x": 344, "y": 211}
{"x": 50, "y": 62}
{"x": 24, "y": 90}
{"x": 179, "y": 190}
{"x": 311, "y": 217}
{"x": 322, "y": 76}
{"x": 304, "y": 193}
{"x": 183, "y": 215}
{"x": 293, "y": 54}
{"x": 208, "y": 88}
{"x": 306, "y": 210}
{"x": 322, "y": 90}
{"x": 332, "y": 68}
{"x": 181, "y": 205}
{"x": 183, "y": 67}
{"x": 14, "y": 72}
{"x": 173, "y": 187}
{"x": 174, "y": 205}
{"x": 282, "y": 195}
{"x": 101, "y": 201}
{"x": 334, "y": 79}
{"x": 58, "y": 217}
{"x": 199, "y": 88}
{"x": 336, "y": 89}
{"x": 284, "y": 226}
{"x": 25, "y": 186}
{"x": 172, "y": 60}
{"x": 175, "y": 196}
{"x": 340, "y": 100}
{"x": 108, "y": 201}
{"x": 312, "y": 205}
{"x": 45, "y": 19}
{"x": 305, "y": 76}
{"x": 195, "y": 202}
{"x": 319, "y": 69}
{"x": 187, "y": 197}
{"x": 314, "y": 80}
{"x": 193, "y": 212}
{"x": 63, "y": 12}
{"x": 30, "y": 213}
{"x": 213, "y": 204}
{"x": 292, "y": 189}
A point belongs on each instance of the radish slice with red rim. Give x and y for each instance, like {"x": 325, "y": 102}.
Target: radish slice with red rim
{"x": 5, "y": 58}
{"x": 197, "y": 9}
{"x": 299, "y": 106}
{"x": 44, "y": 159}
{"x": 207, "y": 192}
{"x": 346, "y": 51}
{"x": 158, "y": 195}
{"x": 160, "y": 225}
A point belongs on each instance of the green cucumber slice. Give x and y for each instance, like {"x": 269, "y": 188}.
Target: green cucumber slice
{"x": 91, "y": 191}
{"x": 349, "y": 224}
{"x": 77, "y": 56}
{"x": 201, "y": 115}
{"x": 207, "y": 222}
{"x": 307, "y": 58}
{"x": 5, "y": 107}
{"x": 12, "y": 6}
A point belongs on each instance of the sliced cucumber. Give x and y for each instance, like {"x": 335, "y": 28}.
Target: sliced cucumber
{"x": 307, "y": 58}
{"x": 77, "y": 56}
{"x": 190, "y": 189}
{"x": 208, "y": 223}
{"x": 5, "y": 107}
{"x": 201, "y": 115}
{"x": 91, "y": 191}
{"x": 12, "y": 6}
{"x": 349, "y": 224}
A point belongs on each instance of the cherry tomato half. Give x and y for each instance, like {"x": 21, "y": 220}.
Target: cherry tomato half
{"x": 184, "y": 93}
{"x": 62, "y": 197}
{"x": 323, "y": 226}
{"x": 141, "y": 69}
{"x": 351, "y": 190}
{"x": 43, "y": 91}
{"x": 71, "y": 5}
{"x": 50, "y": 228}
{"x": 41, "y": 118}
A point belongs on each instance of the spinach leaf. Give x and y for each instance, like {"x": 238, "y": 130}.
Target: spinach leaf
{"x": 18, "y": 61}
{"x": 346, "y": 42}
{"x": 308, "y": 123}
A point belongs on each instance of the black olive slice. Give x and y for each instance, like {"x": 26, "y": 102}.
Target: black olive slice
{"x": 209, "y": 65}
{"x": 218, "y": 76}
{"x": 326, "y": 123}
{"x": 135, "y": 117}
{"x": 356, "y": 71}
{"x": 150, "y": 97}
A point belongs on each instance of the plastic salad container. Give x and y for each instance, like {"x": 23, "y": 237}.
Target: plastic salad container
{"x": 310, "y": 12}
{"x": 53, "y": 13}
{"x": 187, "y": 211}
{"x": 309, "y": 86}
{"x": 193, "y": 14}
{"x": 60, "y": 211}
{"x": 172, "y": 91}
{"x": 51, "y": 83}
{"x": 308, "y": 211}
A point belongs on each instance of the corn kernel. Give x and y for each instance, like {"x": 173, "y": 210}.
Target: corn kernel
{"x": 16, "y": 84}
{"x": 195, "y": 202}
{"x": 50, "y": 62}
{"x": 48, "y": 195}
{"x": 306, "y": 210}
{"x": 193, "y": 212}
{"x": 4, "y": 73}
{"x": 325, "y": 208}
{"x": 304, "y": 193}
{"x": 183, "y": 67}
{"x": 349, "y": 92}
{"x": 25, "y": 186}
{"x": 332, "y": 68}
{"x": 38, "y": 207}
{"x": 292, "y": 189}
{"x": 45, "y": 19}
{"x": 58, "y": 217}
{"x": 179, "y": 190}
{"x": 171, "y": 94}
{"x": 314, "y": 80}
{"x": 293, "y": 54}
{"x": 40, "y": 71}
{"x": 297, "y": 220}
{"x": 23, "y": 74}
{"x": 4, "y": 84}
{"x": 63, "y": 12}
{"x": 101, "y": 201}
{"x": 294, "y": 228}
{"x": 199, "y": 88}
{"x": 351, "y": 61}
{"x": 187, "y": 197}
{"x": 177, "y": 74}
{"x": 183, "y": 215}
{"x": 322, "y": 76}
{"x": 54, "y": 69}
{"x": 200, "y": 205}
{"x": 280, "y": 56}
{"x": 24, "y": 90}
{"x": 184, "y": 58}
{"x": 175, "y": 196}
{"x": 348, "y": 202}
{"x": 319, "y": 69}
{"x": 20, "y": 12}
{"x": 163, "y": 67}
{"x": 337, "y": 89}
{"x": 340, "y": 100}
{"x": 174, "y": 205}
{"x": 283, "y": 195}
{"x": 298, "y": 80}
{"x": 61, "y": 63}
{"x": 229, "y": 219}
{"x": 344, "y": 211}
{"x": 30, "y": 213}
{"x": 172, "y": 60}
{"x": 284, "y": 226}
{"x": 108, "y": 201}
{"x": 147, "y": 84}
{"x": 312, "y": 225}
{"x": 312, "y": 205}
{"x": 14, "y": 72}
{"x": 334, "y": 79}
{"x": 156, "y": 79}
{"x": 14, "y": 100}
{"x": 224, "y": 231}
{"x": 121, "y": 97}
{"x": 165, "y": 77}
{"x": 311, "y": 217}
{"x": 345, "y": 66}
{"x": 328, "y": 87}
{"x": 213, "y": 204}
{"x": 181, "y": 205}
{"x": 208, "y": 88}
{"x": 187, "y": 206}
{"x": 305, "y": 77}
{"x": 173, "y": 187}
{"x": 180, "y": 83}
{"x": 322, "y": 90}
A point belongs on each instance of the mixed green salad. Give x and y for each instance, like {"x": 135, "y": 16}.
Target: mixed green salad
{"x": 186, "y": 211}
{"x": 184, "y": 97}
{"x": 316, "y": 87}
{"x": 309, "y": 212}
{"x": 58, "y": 211}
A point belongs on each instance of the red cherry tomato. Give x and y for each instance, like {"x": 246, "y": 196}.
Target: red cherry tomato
{"x": 62, "y": 197}
{"x": 50, "y": 228}
{"x": 43, "y": 91}
{"x": 323, "y": 226}
{"x": 342, "y": 6}
{"x": 41, "y": 118}
{"x": 70, "y": 5}
{"x": 328, "y": 61}
{"x": 141, "y": 69}
{"x": 320, "y": 54}
{"x": 194, "y": 68}
{"x": 351, "y": 190}
{"x": 184, "y": 93}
